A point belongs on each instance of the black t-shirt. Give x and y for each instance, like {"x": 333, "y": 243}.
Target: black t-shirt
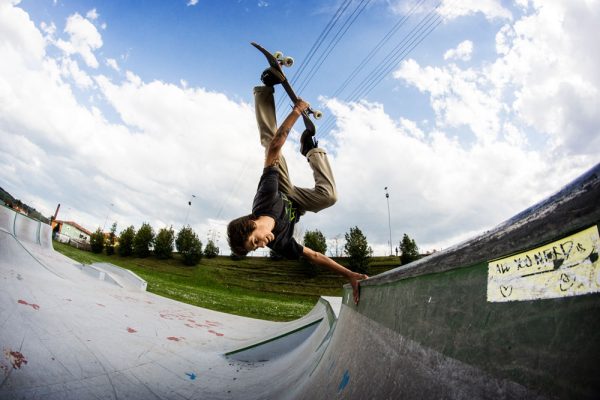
{"x": 269, "y": 201}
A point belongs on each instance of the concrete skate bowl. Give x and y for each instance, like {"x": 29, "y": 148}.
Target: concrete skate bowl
{"x": 510, "y": 314}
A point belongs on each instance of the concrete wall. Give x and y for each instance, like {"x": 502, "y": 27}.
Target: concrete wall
{"x": 25, "y": 229}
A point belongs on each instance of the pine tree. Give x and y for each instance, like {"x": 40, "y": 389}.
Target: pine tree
{"x": 143, "y": 241}
{"x": 358, "y": 250}
{"x": 126, "y": 237}
{"x": 409, "y": 250}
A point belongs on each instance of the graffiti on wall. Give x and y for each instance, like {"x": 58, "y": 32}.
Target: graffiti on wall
{"x": 566, "y": 267}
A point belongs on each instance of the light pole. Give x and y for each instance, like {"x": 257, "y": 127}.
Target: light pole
{"x": 107, "y": 215}
{"x": 188, "y": 211}
{"x": 387, "y": 196}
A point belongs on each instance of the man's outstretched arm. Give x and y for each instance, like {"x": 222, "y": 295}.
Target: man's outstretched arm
{"x": 274, "y": 149}
{"x": 322, "y": 260}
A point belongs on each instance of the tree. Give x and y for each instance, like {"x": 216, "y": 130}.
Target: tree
{"x": 126, "y": 237}
{"x": 211, "y": 250}
{"x": 358, "y": 250}
{"x": 409, "y": 250}
{"x": 143, "y": 241}
{"x": 97, "y": 241}
{"x": 110, "y": 242}
{"x": 316, "y": 241}
{"x": 163, "y": 243}
{"x": 189, "y": 246}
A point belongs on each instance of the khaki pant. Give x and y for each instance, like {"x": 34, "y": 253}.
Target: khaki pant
{"x": 315, "y": 199}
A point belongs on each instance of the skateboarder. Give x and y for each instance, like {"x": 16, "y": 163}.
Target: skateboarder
{"x": 278, "y": 204}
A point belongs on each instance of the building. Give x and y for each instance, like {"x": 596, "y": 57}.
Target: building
{"x": 66, "y": 231}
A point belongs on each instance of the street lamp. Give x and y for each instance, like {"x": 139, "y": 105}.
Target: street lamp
{"x": 107, "y": 215}
{"x": 188, "y": 211}
{"x": 387, "y": 196}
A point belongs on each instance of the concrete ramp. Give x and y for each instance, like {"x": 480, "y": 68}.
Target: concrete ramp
{"x": 511, "y": 314}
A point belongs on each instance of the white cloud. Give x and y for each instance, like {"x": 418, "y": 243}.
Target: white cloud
{"x": 192, "y": 2}
{"x": 176, "y": 141}
{"x": 545, "y": 78}
{"x": 112, "y": 63}
{"x": 171, "y": 140}
{"x": 462, "y": 52}
{"x": 92, "y": 14}
{"x": 70, "y": 69}
{"x": 491, "y": 9}
{"x": 84, "y": 39}
{"x": 459, "y": 97}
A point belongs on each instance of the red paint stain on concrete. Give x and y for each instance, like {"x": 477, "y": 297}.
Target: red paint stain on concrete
{"x": 131, "y": 330}
{"x": 16, "y": 358}
{"x": 34, "y": 306}
{"x": 216, "y": 333}
{"x": 175, "y": 339}
{"x": 211, "y": 323}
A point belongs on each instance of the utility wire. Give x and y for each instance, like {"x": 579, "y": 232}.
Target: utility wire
{"x": 315, "y": 47}
{"x": 427, "y": 24}
{"x": 376, "y": 49}
{"x": 369, "y": 57}
{"x": 336, "y": 39}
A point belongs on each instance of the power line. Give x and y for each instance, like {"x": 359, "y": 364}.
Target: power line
{"x": 315, "y": 47}
{"x": 425, "y": 26}
{"x": 376, "y": 49}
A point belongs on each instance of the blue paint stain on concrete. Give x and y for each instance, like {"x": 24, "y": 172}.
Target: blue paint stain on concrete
{"x": 191, "y": 375}
{"x": 345, "y": 381}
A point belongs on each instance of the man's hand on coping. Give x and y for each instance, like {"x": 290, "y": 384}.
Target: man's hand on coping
{"x": 355, "y": 282}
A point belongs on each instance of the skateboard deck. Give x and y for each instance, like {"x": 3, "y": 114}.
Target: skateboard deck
{"x": 276, "y": 63}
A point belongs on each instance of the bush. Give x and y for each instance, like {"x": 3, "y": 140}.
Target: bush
{"x": 97, "y": 241}
{"x": 316, "y": 241}
{"x": 163, "y": 244}
{"x": 126, "y": 237}
{"x": 189, "y": 246}
{"x": 358, "y": 250}
{"x": 143, "y": 241}
{"x": 211, "y": 250}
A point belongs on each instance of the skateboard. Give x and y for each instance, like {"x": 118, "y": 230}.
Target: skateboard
{"x": 277, "y": 60}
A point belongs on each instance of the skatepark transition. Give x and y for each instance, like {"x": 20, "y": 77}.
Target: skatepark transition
{"x": 510, "y": 314}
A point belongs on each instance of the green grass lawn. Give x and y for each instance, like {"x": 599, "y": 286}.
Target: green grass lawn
{"x": 257, "y": 287}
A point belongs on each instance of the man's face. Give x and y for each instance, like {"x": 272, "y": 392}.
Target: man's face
{"x": 259, "y": 239}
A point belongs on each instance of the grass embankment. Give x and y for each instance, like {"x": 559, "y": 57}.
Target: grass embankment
{"x": 277, "y": 290}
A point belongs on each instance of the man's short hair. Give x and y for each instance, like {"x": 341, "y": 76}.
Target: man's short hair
{"x": 238, "y": 232}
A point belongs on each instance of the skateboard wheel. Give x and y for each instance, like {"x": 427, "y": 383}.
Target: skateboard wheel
{"x": 318, "y": 114}
{"x": 288, "y": 61}
{"x": 278, "y": 55}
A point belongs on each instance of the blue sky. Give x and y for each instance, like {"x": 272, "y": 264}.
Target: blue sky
{"x": 123, "y": 110}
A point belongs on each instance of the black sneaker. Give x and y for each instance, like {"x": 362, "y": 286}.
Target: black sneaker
{"x": 307, "y": 142}
{"x": 272, "y": 77}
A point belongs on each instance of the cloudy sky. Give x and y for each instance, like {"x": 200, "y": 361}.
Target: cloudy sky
{"x": 468, "y": 111}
